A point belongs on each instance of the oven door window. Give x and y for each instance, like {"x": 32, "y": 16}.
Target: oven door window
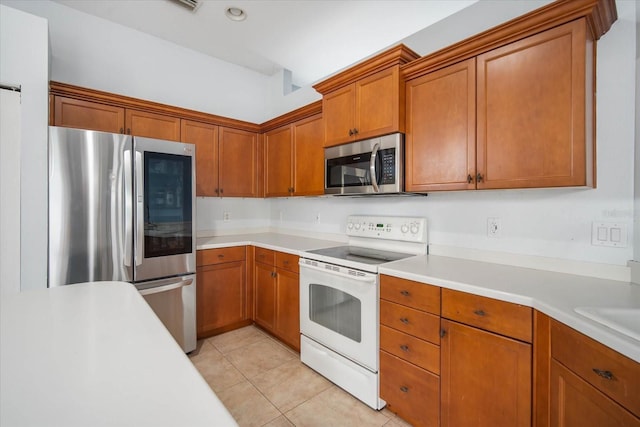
{"x": 167, "y": 214}
{"x": 336, "y": 310}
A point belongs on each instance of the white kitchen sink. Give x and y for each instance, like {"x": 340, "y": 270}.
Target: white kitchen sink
{"x": 623, "y": 320}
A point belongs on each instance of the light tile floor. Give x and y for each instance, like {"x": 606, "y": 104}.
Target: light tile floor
{"x": 263, "y": 383}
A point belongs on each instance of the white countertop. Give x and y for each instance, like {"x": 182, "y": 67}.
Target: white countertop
{"x": 295, "y": 245}
{"x": 555, "y": 294}
{"x": 96, "y": 355}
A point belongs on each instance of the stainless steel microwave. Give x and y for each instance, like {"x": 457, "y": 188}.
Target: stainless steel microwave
{"x": 371, "y": 166}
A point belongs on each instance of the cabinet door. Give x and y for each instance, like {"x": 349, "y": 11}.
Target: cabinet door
{"x": 265, "y": 296}
{"x": 339, "y": 117}
{"x": 485, "y": 378}
{"x": 221, "y": 296}
{"x": 377, "y": 109}
{"x": 288, "y": 308}
{"x": 205, "y": 137}
{"x": 278, "y": 162}
{"x": 73, "y": 113}
{"x": 237, "y": 153}
{"x": 532, "y": 99}
{"x": 308, "y": 152}
{"x": 576, "y": 403}
{"x": 152, "y": 125}
{"x": 441, "y": 129}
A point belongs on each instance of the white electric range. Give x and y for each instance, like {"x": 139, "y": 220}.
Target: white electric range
{"x": 339, "y": 300}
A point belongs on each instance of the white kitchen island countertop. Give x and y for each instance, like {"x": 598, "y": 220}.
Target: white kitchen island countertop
{"x": 95, "y": 354}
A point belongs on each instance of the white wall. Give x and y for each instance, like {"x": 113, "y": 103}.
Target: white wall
{"x": 551, "y": 222}
{"x": 24, "y": 61}
{"x": 93, "y": 52}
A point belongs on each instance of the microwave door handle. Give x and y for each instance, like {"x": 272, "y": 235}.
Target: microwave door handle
{"x": 139, "y": 208}
{"x": 128, "y": 209}
{"x": 372, "y": 167}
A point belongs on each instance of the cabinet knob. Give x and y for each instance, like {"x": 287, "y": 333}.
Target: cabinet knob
{"x": 469, "y": 179}
{"x": 607, "y": 375}
{"x": 217, "y": 191}
{"x": 404, "y": 348}
{"x": 404, "y": 320}
{"x": 404, "y": 389}
{"x": 442, "y": 333}
{"x": 479, "y": 177}
{"x": 479, "y": 312}
{"x": 220, "y": 256}
{"x": 129, "y": 131}
{"x": 273, "y": 274}
{"x": 355, "y": 131}
{"x": 351, "y": 132}
{"x": 121, "y": 130}
{"x": 405, "y": 293}
{"x": 221, "y": 191}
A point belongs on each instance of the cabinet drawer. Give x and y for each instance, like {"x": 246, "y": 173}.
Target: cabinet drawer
{"x": 287, "y": 261}
{"x": 610, "y": 372}
{"x": 220, "y": 255}
{"x": 501, "y": 317}
{"x": 266, "y": 256}
{"x": 414, "y": 350}
{"x": 411, "y": 321}
{"x": 409, "y": 391}
{"x": 410, "y": 293}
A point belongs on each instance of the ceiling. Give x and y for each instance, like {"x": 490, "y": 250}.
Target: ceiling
{"x": 311, "y": 38}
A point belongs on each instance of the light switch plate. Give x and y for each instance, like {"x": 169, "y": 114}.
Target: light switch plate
{"x": 612, "y": 234}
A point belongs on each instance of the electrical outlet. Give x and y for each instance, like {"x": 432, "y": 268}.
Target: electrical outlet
{"x": 494, "y": 228}
{"x": 226, "y": 216}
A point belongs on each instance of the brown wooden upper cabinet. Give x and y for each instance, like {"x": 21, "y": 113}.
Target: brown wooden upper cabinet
{"x": 69, "y": 112}
{"x": 521, "y": 115}
{"x": 293, "y": 159}
{"x": 366, "y": 100}
{"x": 225, "y": 159}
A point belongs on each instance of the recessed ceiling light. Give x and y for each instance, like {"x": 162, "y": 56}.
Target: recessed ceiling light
{"x": 235, "y": 14}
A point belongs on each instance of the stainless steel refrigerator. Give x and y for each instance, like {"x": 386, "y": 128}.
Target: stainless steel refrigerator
{"x": 122, "y": 208}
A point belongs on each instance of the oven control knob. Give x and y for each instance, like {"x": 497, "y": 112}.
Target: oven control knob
{"x": 404, "y": 228}
{"x": 414, "y": 228}
{"x": 357, "y": 226}
{"x": 350, "y": 225}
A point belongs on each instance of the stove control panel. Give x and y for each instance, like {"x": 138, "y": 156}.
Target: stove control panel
{"x": 406, "y": 229}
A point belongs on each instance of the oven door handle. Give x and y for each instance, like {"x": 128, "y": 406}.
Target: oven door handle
{"x": 368, "y": 277}
{"x": 372, "y": 167}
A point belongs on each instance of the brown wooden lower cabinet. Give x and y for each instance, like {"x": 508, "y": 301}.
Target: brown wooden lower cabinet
{"x": 574, "y": 402}
{"x": 485, "y": 378}
{"x": 277, "y": 295}
{"x": 411, "y": 392}
{"x": 221, "y": 291}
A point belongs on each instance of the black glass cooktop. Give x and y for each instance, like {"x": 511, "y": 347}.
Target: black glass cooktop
{"x": 360, "y": 254}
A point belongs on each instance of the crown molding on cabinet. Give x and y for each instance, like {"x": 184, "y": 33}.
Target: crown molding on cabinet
{"x": 397, "y": 55}
{"x": 93, "y": 95}
{"x": 600, "y": 15}
{"x": 292, "y": 116}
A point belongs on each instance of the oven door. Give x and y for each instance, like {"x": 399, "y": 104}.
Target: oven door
{"x": 339, "y": 309}
{"x": 164, "y": 195}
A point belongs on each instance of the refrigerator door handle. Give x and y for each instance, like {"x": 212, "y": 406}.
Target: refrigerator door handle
{"x": 128, "y": 210}
{"x": 139, "y": 208}
{"x": 165, "y": 288}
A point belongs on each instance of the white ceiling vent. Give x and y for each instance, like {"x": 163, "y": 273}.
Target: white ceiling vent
{"x": 193, "y": 5}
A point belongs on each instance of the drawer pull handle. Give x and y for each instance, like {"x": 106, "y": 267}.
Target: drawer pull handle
{"x": 479, "y": 312}
{"x": 404, "y": 348}
{"x": 607, "y": 375}
{"x": 220, "y": 256}
{"x": 405, "y": 293}
{"x": 286, "y": 262}
{"x": 404, "y": 389}
{"x": 404, "y": 320}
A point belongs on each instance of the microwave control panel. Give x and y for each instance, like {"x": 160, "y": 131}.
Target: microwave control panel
{"x": 388, "y": 162}
{"x": 407, "y": 229}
